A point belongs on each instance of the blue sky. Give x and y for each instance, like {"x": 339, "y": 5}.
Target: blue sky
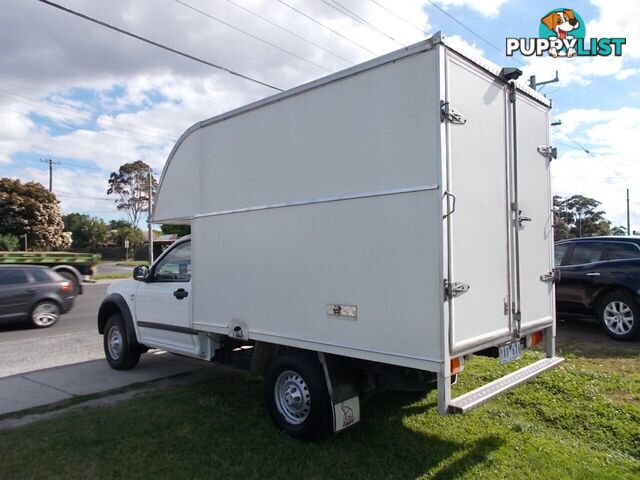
{"x": 92, "y": 99}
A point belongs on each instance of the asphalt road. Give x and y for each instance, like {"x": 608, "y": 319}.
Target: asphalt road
{"x": 74, "y": 338}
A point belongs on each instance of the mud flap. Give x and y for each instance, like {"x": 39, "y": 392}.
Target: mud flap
{"x": 345, "y": 401}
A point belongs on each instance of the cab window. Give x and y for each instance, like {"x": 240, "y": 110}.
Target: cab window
{"x": 175, "y": 266}
{"x": 559, "y": 252}
{"x": 621, "y": 250}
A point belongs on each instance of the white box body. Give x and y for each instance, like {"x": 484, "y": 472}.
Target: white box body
{"x": 340, "y": 194}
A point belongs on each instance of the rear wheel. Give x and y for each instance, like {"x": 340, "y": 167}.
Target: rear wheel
{"x": 45, "y": 314}
{"x": 297, "y": 396}
{"x": 121, "y": 351}
{"x": 620, "y": 316}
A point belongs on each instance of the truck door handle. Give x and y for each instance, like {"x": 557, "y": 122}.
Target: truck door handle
{"x": 180, "y": 293}
{"x": 593, "y": 274}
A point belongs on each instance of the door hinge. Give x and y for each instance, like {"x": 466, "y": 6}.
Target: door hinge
{"x": 448, "y": 113}
{"x": 548, "y": 151}
{"x": 455, "y": 289}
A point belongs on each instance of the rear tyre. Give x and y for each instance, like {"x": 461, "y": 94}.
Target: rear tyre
{"x": 297, "y": 397}
{"x": 73, "y": 280}
{"x": 121, "y": 351}
{"x": 45, "y": 314}
{"x": 620, "y": 316}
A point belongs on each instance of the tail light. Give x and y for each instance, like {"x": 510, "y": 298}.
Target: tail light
{"x": 457, "y": 365}
{"x": 534, "y": 339}
{"x": 66, "y": 287}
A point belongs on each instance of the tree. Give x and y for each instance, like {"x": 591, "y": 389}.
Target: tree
{"x": 85, "y": 231}
{"x": 180, "y": 230}
{"x": 9, "y": 243}
{"x": 619, "y": 230}
{"x": 121, "y": 231}
{"x": 578, "y": 216}
{"x": 130, "y": 186}
{"x": 30, "y": 208}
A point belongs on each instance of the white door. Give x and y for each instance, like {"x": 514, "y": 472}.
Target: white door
{"x": 163, "y": 303}
{"x": 534, "y": 199}
{"x": 478, "y": 229}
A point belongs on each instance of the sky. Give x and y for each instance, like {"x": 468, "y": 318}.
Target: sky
{"x": 92, "y": 99}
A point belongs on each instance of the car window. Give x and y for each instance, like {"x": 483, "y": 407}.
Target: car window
{"x": 40, "y": 275}
{"x": 620, "y": 250}
{"x": 559, "y": 253}
{"x": 12, "y": 277}
{"x": 175, "y": 266}
{"x": 587, "y": 252}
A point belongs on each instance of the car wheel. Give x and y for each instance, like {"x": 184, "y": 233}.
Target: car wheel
{"x": 620, "y": 316}
{"x": 45, "y": 314}
{"x": 297, "y": 397}
{"x": 121, "y": 351}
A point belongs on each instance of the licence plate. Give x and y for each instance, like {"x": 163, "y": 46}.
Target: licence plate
{"x": 509, "y": 352}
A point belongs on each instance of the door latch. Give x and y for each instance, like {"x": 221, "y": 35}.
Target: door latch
{"x": 548, "y": 151}
{"x": 552, "y": 276}
{"x": 448, "y": 113}
{"x": 522, "y": 218}
{"x": 455, "y": 289}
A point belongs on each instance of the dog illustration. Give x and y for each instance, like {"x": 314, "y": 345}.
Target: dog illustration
{"x": 561, "y": 23}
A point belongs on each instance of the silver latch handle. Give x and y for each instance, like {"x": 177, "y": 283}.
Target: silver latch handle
{"x": 552, "y": 276}
{"x": 522, "y": 218}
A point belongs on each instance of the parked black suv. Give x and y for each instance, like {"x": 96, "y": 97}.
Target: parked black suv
{"x": 600, "y": 276}
{"x": 33, "y": 293}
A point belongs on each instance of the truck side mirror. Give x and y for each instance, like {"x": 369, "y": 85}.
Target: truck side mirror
{"x": 141, "y": 273}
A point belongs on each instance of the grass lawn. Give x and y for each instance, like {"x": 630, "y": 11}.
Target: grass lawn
{"x": 111, "y": 276}
{"x": 132, "y": 263}
{"x": 580, "y": 421}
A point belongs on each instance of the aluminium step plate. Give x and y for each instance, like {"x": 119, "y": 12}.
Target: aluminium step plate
{"x": 480, "y": 395}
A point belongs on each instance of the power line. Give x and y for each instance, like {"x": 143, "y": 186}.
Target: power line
{"x": 349, "y": 13}
{"x": 159, "y": 45}
{"x": 82, "y": 197}
{"x": 251, "y": 12}
{"x": 325, "y": 26}
{"x": 399, "y": 17}
{"x": 471, "y": 31}
{"x": 255, "y": 37}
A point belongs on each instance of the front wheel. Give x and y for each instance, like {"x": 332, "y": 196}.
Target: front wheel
{"x": 297, "y": 396}
{"x": 120, "y": 350}
{"x": 620, "y": 316}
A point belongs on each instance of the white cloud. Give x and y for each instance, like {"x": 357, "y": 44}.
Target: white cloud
{"x": 488, "y": 8}
{"x": 612, "y": 138}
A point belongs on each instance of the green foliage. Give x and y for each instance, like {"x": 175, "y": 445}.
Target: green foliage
{"x": 130, "y": 186}
{"x": 86, "y": 231}
{"x": 180, "y": 230}
{"x": 9, "y": 243}
{"x": 30, "y": 208}
{"x": 121, "y": 231}
{"x": 578, "y": 216}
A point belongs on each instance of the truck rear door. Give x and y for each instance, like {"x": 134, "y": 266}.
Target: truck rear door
{"x": 478, "y": 228}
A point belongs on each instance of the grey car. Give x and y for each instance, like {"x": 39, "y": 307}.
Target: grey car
{"x": 34, "y": 294}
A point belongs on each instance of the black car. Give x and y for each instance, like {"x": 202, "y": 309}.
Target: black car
{"x": 34, "y": 294}
{"x": 600, "y": 276}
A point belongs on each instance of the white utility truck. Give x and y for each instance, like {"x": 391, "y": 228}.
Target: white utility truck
{"x": 369, "y": 229}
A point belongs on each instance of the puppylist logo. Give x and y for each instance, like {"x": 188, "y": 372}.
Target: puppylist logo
{"x": 562, "y": 34}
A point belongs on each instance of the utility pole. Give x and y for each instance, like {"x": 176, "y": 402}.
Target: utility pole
{"x": 150, "y": 210}
{"x": 628, "y": 218}
{"x": 51, "y": 163}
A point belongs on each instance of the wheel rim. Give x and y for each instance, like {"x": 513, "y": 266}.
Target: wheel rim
{"x": 115, "y": 342}
{"x": 293, "y": 398}
{"x": 45, "y": 314}
{"x": 618, "y": 317}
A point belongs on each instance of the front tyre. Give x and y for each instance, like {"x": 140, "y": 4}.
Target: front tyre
{"x": 297, "y": 397}
{"x": 620, "y": 316}
{"x": 121, "y": 351}
{"x": 45, "y": 314}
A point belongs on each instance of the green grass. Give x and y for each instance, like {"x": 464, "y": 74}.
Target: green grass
{"x": 581, "y": 421}
{"x": 111, "y": 276}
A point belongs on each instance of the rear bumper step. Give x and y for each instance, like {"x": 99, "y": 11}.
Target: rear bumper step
{"x": 477, "y": 397}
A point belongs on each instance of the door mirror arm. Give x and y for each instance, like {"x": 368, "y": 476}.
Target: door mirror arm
{"x": 141, "y": 273}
